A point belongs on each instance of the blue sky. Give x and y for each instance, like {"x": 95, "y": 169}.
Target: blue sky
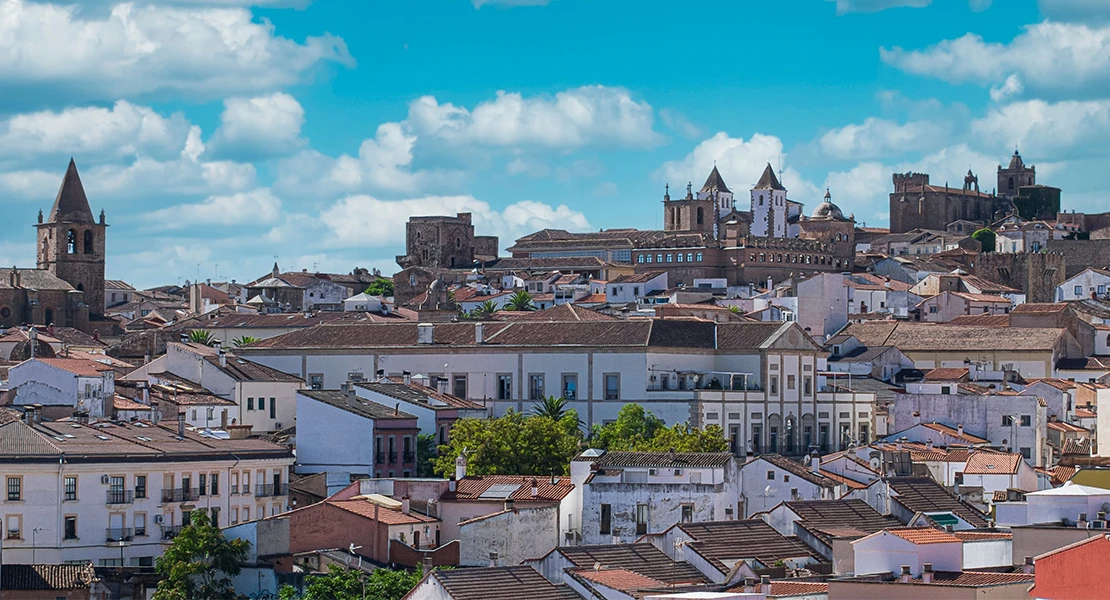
{"x": 218, "y": 134}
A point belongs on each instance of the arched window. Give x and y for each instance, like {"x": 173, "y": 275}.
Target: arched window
{"x": 701, "y": 217}
{"x": 45, "y": 249}
{"x": 71, "y": 242}
{"x": 49, "y": 316}
{"x": 88, "y": 242}
{"x": 80, "y": 287}
{"x": 1011, "y": 183}
{"x": 761, "y": 199}
{"x": 458, "y": 242}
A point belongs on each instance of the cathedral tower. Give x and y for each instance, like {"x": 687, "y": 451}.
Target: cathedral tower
{"x": 1014, "y": 177}
{"x": 769, "y": 206}
{"x": 71, "y": 242}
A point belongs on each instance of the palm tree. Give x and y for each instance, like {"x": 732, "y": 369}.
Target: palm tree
{"x": 521, "y": 300}
{"x": 484, "y": 310}
{"x": 735, "y": 310}
{"x": 244, "y": 340}
{"x": 551, "y": 407}
{"x": 201, "y": 336}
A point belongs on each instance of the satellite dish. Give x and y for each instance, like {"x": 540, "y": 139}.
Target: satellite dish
{"x": 875, "y": 463}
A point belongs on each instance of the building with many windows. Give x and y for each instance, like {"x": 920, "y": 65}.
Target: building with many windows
{"x": 116, "y": 493}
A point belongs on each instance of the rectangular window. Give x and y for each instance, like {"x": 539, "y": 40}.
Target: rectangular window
{"x": 1026, "y": 420}
{"x": 774, "y": 385}
{"x": 640, "y": 258}
{"x": 770, "y": 475}
{"x": 1007, "y": 421}
{"x": 535, "y": 386}
{"x": 807, "y": 385}
{"x": 140, "y": 486}
{"x": 504, "y": 386}
{"x": 789, "y": 382}
{"x": 1027, "y": 453}
{"x": 246, "y": 513}
{"x": 606, "y": 519}
{"x": 612, "y": 386}
{"x": 15, "y": 527}
{"x": 273, "y": 409}
{"x": 15, "y": 489}
{"x": 71, "y": 488}
{"x": 261, "y": 404}
{"x": 234, "y": 515}
{"x": 699, "y": 256}
{"x": 641, "y": 519}
{"x": 215, "y": 484}
{"x": 316, "y": 381}
{"x": 946, "y": 389}
{"x": 864, "y": 433}
{"x": 140, "y": 523}
{"x": 250, "y": 403}
{"x": 460, "y": 386}
{"x": 570, "y": 386}
{"x": 203, "y": 489}
{"x": 70, "y": 529}
{"x": 687, "y": 513}
{"x": 1102, "y": 290}
{"x": 658, "y": 258}
{"x": 1078, "y": 290}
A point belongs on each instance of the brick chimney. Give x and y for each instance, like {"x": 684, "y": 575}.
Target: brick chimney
{"x": 926, "y": 572}
{"x": 905, "y": 577}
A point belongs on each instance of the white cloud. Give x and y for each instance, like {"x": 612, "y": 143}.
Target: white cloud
{"x": 588, "y": 115}
{"x": 260, "y": 126}
{"x": 524, "y": 166}
{"x": 122, "y": 130}
{"x": 1010, "y": 88}
{"x": 876, "y": 137}
{"x": 844, "y": 7}
{"x": 1049, "y": 57}
{"x": 1046, "y": 129}
{"x": 257, "y": 207}
{"x": 863, "y": 190}
{"x": 142, "y": 49}
{"x": 366, "y": 221}
{"x": 679, "y": 123}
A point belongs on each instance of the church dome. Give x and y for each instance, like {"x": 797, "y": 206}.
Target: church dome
{"x": 828, "y": 210}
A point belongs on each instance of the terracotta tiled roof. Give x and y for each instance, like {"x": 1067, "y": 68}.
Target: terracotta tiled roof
{"x": 976, "y": 536}
{"x": 851, "y": 483}
{"x": 500, "y": 583}
{"x": 922, "y": 337}
{"x": 122, "y": 403}
{"x": 641, "y": 558}
{"x": 618, "y": 579}
{"x": 417, "y": 394}
{"x": 79, "y": 367}
{"x": 922, "y": 494}
{"x": 799, "y": 470}
{"x": 1067, "y": 427}
{"x": 992, "y": 463}
{"x": 781, "y": 589}
{"x": 1084, "y": 413}
{"x": 365, "y": 508}
{"x": 924, "y": 535}
{"x": 829, "y": 518}
{"x": 637, "y": 278}
{"x": 562, "y": 312}
{"x": 946, "y": 374}
{"x": 471, "y": 487}
{"x": 25, "y": 578}
{"x": 981, "y": 297}
{"x": 722, "y": 543}
{"x": 981, "y": 321}
{"x": 975, "y": 579}
{"x": 660, "y": 459}
{"x": 593, "y": 299}
{"x": 356, "y": 405}
{"x": 1038, "y": 307}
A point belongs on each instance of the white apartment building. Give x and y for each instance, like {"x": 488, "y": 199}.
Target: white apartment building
{"x": 629, "y": 494}
{"x": 116, "y": 494}
{"x": 266, "y": 398}
{"x": 598, "y": 365}
{"x": 63, "y": 385}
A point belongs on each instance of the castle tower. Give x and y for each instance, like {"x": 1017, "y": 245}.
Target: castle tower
{"x": 71, "y": 243}
{"x": 769, "y": 206}
{"x": 692, "y": 213}
{"x": 1014, "y": 177}
{"x": 716, "y": 191}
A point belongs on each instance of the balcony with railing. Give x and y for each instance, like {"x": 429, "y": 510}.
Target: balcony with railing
{"x": 170, "y": 531}
{"x": 379, "y": 458}
{"x": 269, "y": 489}
{"x": 120, "y": 534}
{"x": 180, "y": 494}
{"x": 408, "y": 457}
{"x": 392, "y": 457}
{"x": 120, "y": 497}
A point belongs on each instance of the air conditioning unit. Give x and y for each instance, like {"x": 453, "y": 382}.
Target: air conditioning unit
{"x": 158, "y": 519}
{"x": 277, "y": 425}
{"x": 1098, "y": 524}
{"x": 104, "y": 479}
{"x": 652, "y": 472}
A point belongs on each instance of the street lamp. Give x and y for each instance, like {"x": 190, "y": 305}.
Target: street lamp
{"x": 33, "y": 542}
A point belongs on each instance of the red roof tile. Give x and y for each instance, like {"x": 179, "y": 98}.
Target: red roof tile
{"x": 924, "y": 535}
{"x": 468, "y": 489}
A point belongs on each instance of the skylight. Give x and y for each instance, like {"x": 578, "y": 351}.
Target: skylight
{"x": 499, "y": 491}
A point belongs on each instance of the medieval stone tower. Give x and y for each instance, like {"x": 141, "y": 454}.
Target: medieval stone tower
{"x": 1015, "y": 176}
{"x": 71, "y": 242}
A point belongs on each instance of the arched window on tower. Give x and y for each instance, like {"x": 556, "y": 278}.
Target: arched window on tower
{"x": 71, "y": 242}
{"x": 49, "y": 317}
{"x": 1011, "y": 183}
{"x": 88, "y": 242}
{"x": 701, "y": 216}
{"x": 45, "y": 249}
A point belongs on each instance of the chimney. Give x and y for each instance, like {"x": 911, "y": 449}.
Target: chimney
{"x": 37, "y": 412}
{"x": 1081, "y": 522}
{"x": 223, "y": 421}
{"x": 479, "y": 332}
{"x": 815, "y": 464}
{"x": 183, "y": 338}
{"x": 960, "y": 429}
{"x": 406, "y": 504}
{"x": 616, "y": 537}
{"x": 222, "y": 354}
{"x": 536, "y": 488}
{"x": 948, "y": 528}
{"x": 926, "y": 572}
{"x": 28, "y": 415}
{"x": 427, "y": 563}
{"x": 145, "y": 386}
{"x": 460, "y": 467}
{"x": 181, "y": 425}
{"x": 492, "y": 559}
{"x": 397, "y": 409}
{"x": 749, "y": 585}
{"x": 349, "y": 388}
{"x": 1027, "y": 568}
{"x": 765, "y": 585}
{"x": 929, "y": 445}
{"x": 905, "y": 577}
{"x": 407, "y": 377}
{"x": 510, "y": 504}
{"x": 425, "y": 333}
{"x": 451, "y": 485}
{"x": 146, "y": 358}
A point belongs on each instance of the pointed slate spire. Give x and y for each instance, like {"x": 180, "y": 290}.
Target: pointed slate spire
{"x": 768, "y": 181}
{"x": 715, "y": 182}
{"x": 71, "y": 205}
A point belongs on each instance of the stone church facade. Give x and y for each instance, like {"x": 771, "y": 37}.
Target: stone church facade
{"x": 67, "y": 288}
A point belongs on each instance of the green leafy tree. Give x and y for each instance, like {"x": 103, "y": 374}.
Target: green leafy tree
{"x": 352, "y": 584}
{"x": 380, "y": 287}
{"x": 520, "y": 301}
{"x": 425, "y": 455}
{"x": 986, "y": 237}
{"x": 200, "y": 563}
{"x": 638, "y": 430}
{"x": 512, "y": 445}
{"x": 550, "y": 407}
{"x": 736, "y": 310}
{"x": 201, "y": 336}
{"x": 243, "y": 340}
{"x": 484, "y": 310}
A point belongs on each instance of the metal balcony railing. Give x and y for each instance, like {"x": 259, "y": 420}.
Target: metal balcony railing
{"x": 120, "y": 497}
{"x": 180, "y": 494}
{"x": 120, "y": 534}
{"x": 392, "y": 457}
{"x": 170, "y": 531}
{"x": 408, "y": 457}
{"x": 269, "y": 489}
